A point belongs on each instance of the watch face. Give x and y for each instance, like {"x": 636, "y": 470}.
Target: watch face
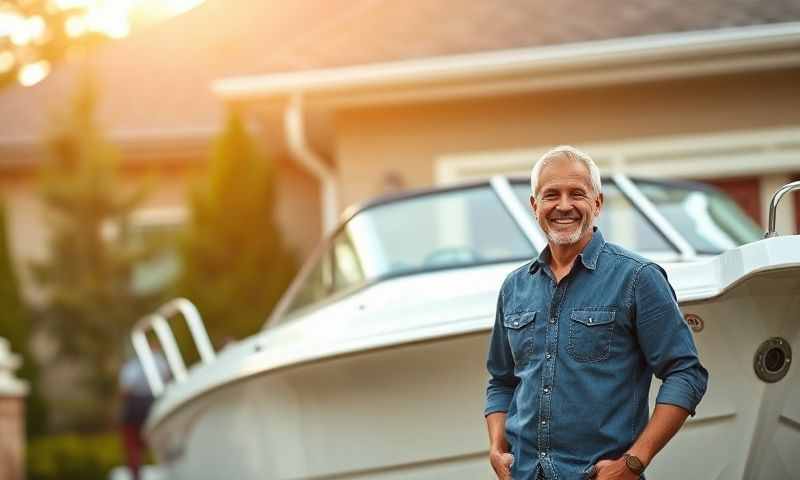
{"x": 634, "y": 464}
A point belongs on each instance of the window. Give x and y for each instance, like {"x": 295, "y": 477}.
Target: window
{"x": 154, "y": 232}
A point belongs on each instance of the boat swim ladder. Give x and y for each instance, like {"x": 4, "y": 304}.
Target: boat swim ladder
{"x": 773, "y": 206}
{"x": 158, "y": 323}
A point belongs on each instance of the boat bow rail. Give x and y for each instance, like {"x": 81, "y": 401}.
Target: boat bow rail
{"x": 773, "y": 206}
{"x": 158, "y": 323}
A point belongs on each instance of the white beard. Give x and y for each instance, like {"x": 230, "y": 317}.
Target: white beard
{"x": 569, "y": 238}
{"x": 564, "y": 238}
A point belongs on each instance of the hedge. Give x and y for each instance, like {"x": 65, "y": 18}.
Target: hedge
{"x": 74, "y": 456}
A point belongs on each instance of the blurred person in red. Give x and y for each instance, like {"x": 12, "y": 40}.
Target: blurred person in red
{"x": 137, "y": 398}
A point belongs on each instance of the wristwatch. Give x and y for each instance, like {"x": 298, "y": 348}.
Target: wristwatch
{"x": 634, "y": 464}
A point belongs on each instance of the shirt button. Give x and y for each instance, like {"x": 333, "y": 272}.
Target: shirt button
{"x": 553, "y": 320}
{"x": 547, "y": 355}
{"x": 517, "y": 323}
{"x": 544, "y": 422}
{"x": 543, "y": 454}
{"x": 546, "y": 389}
{"x": 590, "y": 319}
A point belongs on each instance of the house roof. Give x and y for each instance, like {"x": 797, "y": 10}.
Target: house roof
{"x": 378, "y": 31}
{"x": 584, "y": 64}
{"x": 155, "y": 83}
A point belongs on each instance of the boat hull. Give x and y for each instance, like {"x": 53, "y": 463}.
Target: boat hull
{"x": 414, "y": 411}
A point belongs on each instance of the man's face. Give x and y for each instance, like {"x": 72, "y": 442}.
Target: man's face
{"x": 565, "y": 204}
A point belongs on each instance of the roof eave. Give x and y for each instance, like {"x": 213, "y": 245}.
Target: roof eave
{"x": 562, "y": 66}
{"x": 138, "y": 147}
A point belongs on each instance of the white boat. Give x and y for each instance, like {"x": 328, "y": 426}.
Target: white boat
{"x": 372, "y": 366}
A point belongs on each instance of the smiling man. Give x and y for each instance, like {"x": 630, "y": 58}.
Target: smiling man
{"x": 579, "y": 333}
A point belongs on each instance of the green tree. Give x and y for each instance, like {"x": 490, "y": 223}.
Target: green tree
{"x": 88, "y": 276}
{"x": 235, "y": 262}
{"x": 14, "y": 325}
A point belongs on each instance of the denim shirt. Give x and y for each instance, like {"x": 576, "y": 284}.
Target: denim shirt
{"x": 571, "y": 363}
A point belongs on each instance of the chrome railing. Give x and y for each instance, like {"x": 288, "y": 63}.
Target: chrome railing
{"x": 159, "y": 324}
{"x": 773, "y": 206}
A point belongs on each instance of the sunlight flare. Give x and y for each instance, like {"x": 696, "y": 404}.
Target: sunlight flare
{"x": 7, "y": 61}
{"x": 33, "y": 73}
{"x": 23, "y": 35}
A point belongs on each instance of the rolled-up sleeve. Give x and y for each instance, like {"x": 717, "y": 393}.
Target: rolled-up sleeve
{"x": 666, "y": 341}
{"x": 500, "y": 365}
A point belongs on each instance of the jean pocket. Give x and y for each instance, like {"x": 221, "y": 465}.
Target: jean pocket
{"x": 590, "y": 334}
{"x": 590, "y": 472}
{"x": 520, "y": 335}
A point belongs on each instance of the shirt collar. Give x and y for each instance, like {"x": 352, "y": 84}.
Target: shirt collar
{"x": 588, "y": 256}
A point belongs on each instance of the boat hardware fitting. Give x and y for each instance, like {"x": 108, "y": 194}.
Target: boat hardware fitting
{"x": 773, "y": 359}
{"x": 773, "y": 206}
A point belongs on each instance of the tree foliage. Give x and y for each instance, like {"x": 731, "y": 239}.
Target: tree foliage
{"x": 13, "y": 321}
{"x": 235, "y": 262}
{"x": 51, "y": 44}
{"x": 88, "y": 277}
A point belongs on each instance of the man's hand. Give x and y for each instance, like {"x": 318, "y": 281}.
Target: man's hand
{"x": 613, "y": 470}
{"x": 501, "y": 463}
{"x": 500, "y": 460}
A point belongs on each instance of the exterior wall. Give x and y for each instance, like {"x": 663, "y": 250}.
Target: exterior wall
{"x": 406, "y": 140}
{"x": 298, "y": 210}
{"x": 12, "y": 431}
{"x": 25, "y": 216}
{"x": 12, "y": 416}
{"x": 26, "y": 213}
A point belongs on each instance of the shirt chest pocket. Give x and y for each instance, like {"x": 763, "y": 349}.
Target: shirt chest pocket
{"x": 590, "y": 334}
{"x": 519, "y": 327}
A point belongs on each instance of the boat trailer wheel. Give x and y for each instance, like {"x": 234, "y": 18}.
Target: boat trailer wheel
{"x": 772, "y": 359}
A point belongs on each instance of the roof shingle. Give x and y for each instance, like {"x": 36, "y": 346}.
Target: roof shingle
{"x": 158, "y": 79}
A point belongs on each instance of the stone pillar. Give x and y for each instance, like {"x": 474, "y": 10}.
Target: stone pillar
{"x": 12, "y": 416}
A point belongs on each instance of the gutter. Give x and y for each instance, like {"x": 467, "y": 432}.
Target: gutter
{"x": 299, "y": 148}
{"x": 614, "y": 61}
{"x": 138, "y": 147}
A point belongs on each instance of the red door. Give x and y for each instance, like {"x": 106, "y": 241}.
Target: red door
{"x": 745, "y": 192}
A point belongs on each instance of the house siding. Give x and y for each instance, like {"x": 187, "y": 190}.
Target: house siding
{"x": 405, "y": 140}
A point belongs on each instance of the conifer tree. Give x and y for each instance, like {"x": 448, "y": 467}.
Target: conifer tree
{"x": 14, "y": 326}
{"x": 88, "y": 275}
{"x": 235, "y": 262}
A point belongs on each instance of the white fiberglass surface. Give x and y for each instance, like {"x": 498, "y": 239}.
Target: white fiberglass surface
{"x": 414, "y": 412}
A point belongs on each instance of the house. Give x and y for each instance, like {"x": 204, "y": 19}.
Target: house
{"x": 356, "y": 98}
{"x": 440, "y": 92}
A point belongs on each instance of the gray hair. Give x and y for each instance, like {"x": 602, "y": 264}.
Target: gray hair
{"x": 573, "y": 154}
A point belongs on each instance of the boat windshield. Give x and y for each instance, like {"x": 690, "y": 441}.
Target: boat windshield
{"x": 439, "y": 230}
{"x": 709, "y": 220}
{"x": 470, "y": 226}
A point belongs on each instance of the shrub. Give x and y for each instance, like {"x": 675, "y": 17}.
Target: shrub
{"x": 74, "y": 456}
